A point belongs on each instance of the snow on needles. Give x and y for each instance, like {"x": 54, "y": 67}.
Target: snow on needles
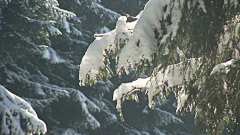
{"x": 143, "y": 42}
{"x": 170, "y": 76}
{"x": 50, "y": 54}
{"x": 155, "y": 84}
{"x": 112, "y": 41}
{"x": 94, "y": 58}
{"x": 156, "y": 26}
{"x": 223, "y": 66}
{"x": 14, "y": 112}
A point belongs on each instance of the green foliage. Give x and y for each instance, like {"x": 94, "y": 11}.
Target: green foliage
{"x": 213, "y": 37}
{"x": 25, "y": 30}
{"x": 36, "y": 19}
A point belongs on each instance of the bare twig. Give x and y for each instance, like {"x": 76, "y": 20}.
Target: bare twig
{"x": 129, "y": 16}
{"x": 98, "y": 35}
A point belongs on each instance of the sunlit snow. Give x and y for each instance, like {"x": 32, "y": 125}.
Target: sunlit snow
{"x": 14, "y": 111}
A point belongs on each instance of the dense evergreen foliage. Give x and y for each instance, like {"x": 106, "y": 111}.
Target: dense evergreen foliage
{"x": 42, "y": 43}
{"x": 183, "y": 32}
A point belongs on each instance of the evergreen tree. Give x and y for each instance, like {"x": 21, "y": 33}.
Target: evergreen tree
{"x": 193, "y": 47}
{"x": 41, "y": 47}
{"x": 25, "y": 27}
{"x": 27, "y": 38}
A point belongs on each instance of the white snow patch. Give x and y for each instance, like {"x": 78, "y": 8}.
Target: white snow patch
{"x": 65, "y": 25}
{"x": 46, "y": 54}
{"x": 14, "y": 107}
{"x": 234, "y": 2}
{"x": 202, "y": 6}
{"x": 101, "y": 11}
{"x": 171, "y": 75}
{"x": 51, "y": 54}
{"x": 91, "y": 64}
{"x": 219, "y": 67}
{"x": 54, "y": 31}
{"x": 93, "y": 60}
{"x": 143, "y": 42}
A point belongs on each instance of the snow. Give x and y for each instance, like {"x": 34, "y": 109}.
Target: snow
{"x": 202, "y": 6}
{"x": 234, "y": 2}
{"x": 222, "y": 66}
{"x": 181, "y": 99}
{"x": 54, "y": 57}
{"x": 145, "y": 110}
{"x": 231, "y": 2}
{"x": 63, "y": 131}
{"x": 167, "y": 117}
{"x": 101, "y": 11}
{"x": 46, "y": 54}
{"x": 102, "y": 85}
{"x": 121, "y": 25}
{"x": 157, "y": 131}
{"x": 44, "y": 92}
{"x": 47, "y": 93}
{"x": 62, "y": 12}
{"x": 138, "y": 42}
{"x": 76, "y": 32}
{"x": 14, "y": 107}
{"x": 42, "y": 23}
{"x": 104, "y": 29}
{"x": 143, "y": 43}
{"x": 170, "y": 76}
{"x": 176, "y": 18}
{"x": 91, "y": 64}
{"x": 110, "y": 41}
{"x": 226, "y": 38}
{"x": 50, "y": 54}
{"x": 108, "y": 117}
{"x": 53, "y": 30}
{"x": 65, "y": 25}
{"x": 126, "y": 88}
{"x": 26, "y": 40}
{"x": 87, "y": 106}
{"x": 80, "y": 42}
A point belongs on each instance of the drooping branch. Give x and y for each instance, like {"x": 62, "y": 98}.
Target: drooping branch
{"x": 224, "y": 65}
{"x": 172, "y": 75}
{"x": 129, "y": 16}
{"x": 93, "y": 67}
{"x": 16, "y": 113}
{"x": 128, "y": 91}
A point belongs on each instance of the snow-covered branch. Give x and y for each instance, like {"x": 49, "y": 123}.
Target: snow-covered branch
{"x": 62, "y": 12}
{"x": 224, "y": 65}
{"x": 170, "y": 76}
{"x": 143, "y": 43}
{"x": 97, "y": 65}
{"x": 170, "y": 34}
{"x": 110, "y": 42}
{"x": 18, "y": 117}
{"x": 156, "y": 26}
{"x": 102, "y": 11}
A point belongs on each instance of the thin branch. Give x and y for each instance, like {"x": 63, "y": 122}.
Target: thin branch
{"x": 129, "y": 16}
